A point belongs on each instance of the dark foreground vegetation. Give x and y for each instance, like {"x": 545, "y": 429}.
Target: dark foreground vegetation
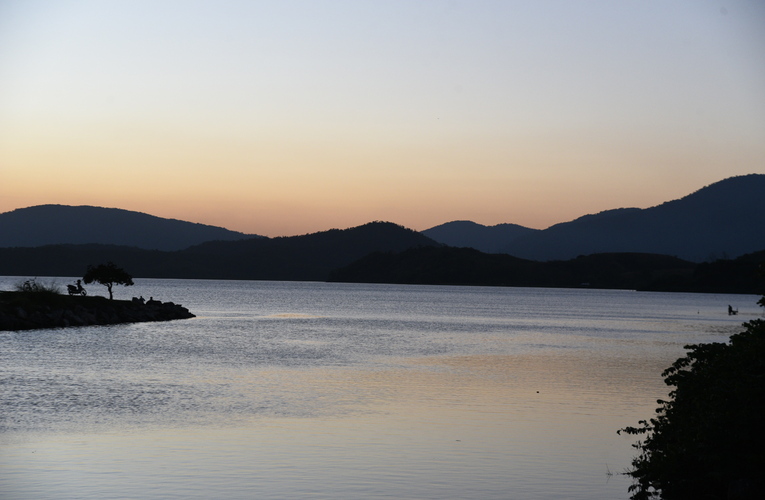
{"x": 707, "y": 440}
{"x": 34, "y": 305}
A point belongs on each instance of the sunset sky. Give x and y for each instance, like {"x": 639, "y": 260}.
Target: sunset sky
{"x": 288, "y": 117}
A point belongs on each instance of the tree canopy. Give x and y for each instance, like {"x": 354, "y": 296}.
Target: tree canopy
{"x": 108, "y": 275}
{"x": 707, "y": 441}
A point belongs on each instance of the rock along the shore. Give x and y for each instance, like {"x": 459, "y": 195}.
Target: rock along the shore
{"x": 29, "y": 311}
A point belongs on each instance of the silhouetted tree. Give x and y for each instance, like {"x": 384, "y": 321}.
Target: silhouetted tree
{"x": 707, "y": 441}
{"x": 108, "y": 275}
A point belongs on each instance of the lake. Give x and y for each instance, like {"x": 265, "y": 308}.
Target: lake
{"x": 346, "y": 391}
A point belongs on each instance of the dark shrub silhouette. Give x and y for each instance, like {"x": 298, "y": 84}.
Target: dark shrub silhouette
{"x": 108, "y": 275}
{"x": 707, "y": 441}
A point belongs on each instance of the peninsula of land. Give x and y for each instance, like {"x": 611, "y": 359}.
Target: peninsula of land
{"x": 29, "y": 311}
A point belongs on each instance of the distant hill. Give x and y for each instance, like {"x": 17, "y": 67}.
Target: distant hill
{"x": 723, "y": 220}
{"x": 489, "y": 239}
{"x": 467, "y": 266}
{"x": 309, "y": 257}
{"x": 62, "y": 224}
{"x": 632, "y": 271}
{"x": 382, "y": 252}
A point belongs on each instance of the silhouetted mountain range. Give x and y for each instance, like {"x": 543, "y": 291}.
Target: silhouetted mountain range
{"x": 309, "y": 257}
{"x": 623, "y": 248}
{"x": 632, "y": 271}
{"x": 382, "y": 252}
{"x": 489, "y": 239}
{"x": 63, "y": 224}
{"x": 725, "y": 219}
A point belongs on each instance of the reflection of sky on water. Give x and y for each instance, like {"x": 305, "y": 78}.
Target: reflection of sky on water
{"x": 281, "y": 390}
{"x": 482, "y": 426}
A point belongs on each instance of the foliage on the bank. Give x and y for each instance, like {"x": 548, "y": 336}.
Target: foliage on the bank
{"x": 37, "y": 287}
{"x": 707, "y": 440}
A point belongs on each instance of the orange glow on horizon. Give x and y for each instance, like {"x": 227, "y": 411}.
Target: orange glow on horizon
{"x": 495, "y": 114}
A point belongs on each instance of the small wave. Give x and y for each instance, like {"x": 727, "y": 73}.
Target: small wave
{"x": 291, "y": 315}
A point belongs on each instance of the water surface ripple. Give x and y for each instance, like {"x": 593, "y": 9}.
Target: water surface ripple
{"x": 290, "y": 390}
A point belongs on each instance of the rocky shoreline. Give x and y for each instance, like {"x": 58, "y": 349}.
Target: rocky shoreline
{"x": 30, "y": 311}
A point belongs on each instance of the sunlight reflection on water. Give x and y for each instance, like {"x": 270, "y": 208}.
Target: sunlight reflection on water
{"x": 285, "y": 390}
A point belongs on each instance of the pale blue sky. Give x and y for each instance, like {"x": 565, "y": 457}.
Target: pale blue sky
{"x": 290, "y": 117}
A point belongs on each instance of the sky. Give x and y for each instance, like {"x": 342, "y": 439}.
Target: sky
{"x": 289, "y": 117}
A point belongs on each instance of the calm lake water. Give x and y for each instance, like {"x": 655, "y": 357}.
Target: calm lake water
{"x": 346, "y": 391}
